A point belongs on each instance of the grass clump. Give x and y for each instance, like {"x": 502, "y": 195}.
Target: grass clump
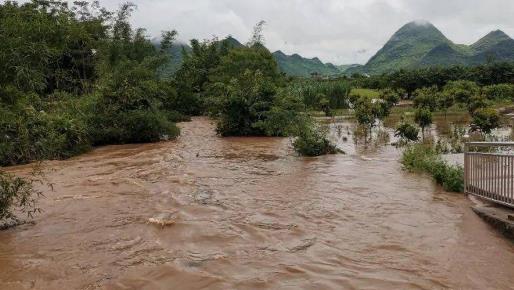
{"x": 423, "y": 158}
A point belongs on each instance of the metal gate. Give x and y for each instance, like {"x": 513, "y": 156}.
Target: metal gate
{"x": 489, "y": 171}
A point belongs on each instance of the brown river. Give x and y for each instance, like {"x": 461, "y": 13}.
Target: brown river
{"x": 247, "y": 213}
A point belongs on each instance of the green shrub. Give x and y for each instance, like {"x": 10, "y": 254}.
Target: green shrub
{"x": 486, "y": 119}
{"x": 407, "y": 132}
{"x": 145, "y": 126}
{"x": 313, "y": 145}
{"x": 499, "y": 92}
{"x": 423, "y": 158}
{"x": 423, "y": 117}
{"x": 311, "y": 141}
{"x": 135, "y": 126}
{"x": 28, "y": 134}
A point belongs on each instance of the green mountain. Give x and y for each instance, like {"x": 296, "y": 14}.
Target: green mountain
{"x": 293, "y": 65}
{"x": 232, "y": 42}
{"x": 343, "y": 68}
{"x": 296, "y": 65}
{"x": 490, "y": 41}
{"x": 419, "y": 44}
{"x": 406, "y": 47}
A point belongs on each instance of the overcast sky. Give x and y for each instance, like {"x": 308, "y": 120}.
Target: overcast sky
{"x": 338, "y": 31}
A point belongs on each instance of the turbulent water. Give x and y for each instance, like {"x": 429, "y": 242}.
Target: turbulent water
{"x": 204, "y": 212}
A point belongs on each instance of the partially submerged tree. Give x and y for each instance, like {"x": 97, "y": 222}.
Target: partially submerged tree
{"x": 406, "y": 131}
{"x": 445, "y": 101}
{"x": 423, "y": 117}
{"x": 477, "y": 102}
{"x": 18, "y": 196}
{"x": 486, "y": 119}
{"x": 426, "y": 98}
{"x": 369, "y": 110}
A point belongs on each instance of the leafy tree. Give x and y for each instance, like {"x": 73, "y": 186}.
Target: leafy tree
{"x": 369, "y": 110}
{"x": 462, "y": 90}
{"x": 476, "y": 102}
{"x": 499, "y": 92}
{"x": 426, "y": 98}
{"x": 192, "y": 79}
{"x": 366, "y": 112}
{"x": 242, "y": 103}
{"x": 257, "y": 37}
{"x": 423, "y": 117}
{"x": 325, "y": 105}
{"x": 445, "y": 101}
{"x": 286, "y": 117}
{"x": 486, "y": 119}
{"x": 390, "y": 96}
{"x": 129, "y": 108}
{"x": 407, "y": 131}
{"x": 239, "y": 60}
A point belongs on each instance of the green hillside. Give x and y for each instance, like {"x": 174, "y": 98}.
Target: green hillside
{"x": 490, "y": 41}
{"x": 419, "y": 44}
{"x": 343, "y": 68}
{"x": 292, "y": 65}
{"x": 406, "y": 47}
{"x": 296, "y": 65}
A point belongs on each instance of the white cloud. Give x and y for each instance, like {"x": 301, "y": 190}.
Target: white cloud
{"x": 339, "y": 31}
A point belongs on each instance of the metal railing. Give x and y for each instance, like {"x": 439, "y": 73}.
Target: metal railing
{"x": 489, "y": 171}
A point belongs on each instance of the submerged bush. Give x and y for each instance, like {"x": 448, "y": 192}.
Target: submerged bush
{"x": 423, "y": 158}
{"x": 407, "y": 132}
{"x": 135, "y": 126}
{"x": 28, "y": 134}
{"x": 312, "y": 141}
{"x": 17, "y": 195}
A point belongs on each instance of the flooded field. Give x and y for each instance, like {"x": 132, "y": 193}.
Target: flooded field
{"x": 204, "y": 212}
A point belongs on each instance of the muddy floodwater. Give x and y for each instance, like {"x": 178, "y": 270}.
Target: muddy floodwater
{"x": 246, "y": 213}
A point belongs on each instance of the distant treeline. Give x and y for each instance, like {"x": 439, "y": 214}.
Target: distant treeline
{"x": 411, "y": 80}
{"x": 73, "y": 76}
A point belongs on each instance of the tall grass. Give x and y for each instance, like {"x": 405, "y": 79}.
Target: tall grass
{"x": 423, "y": 158}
